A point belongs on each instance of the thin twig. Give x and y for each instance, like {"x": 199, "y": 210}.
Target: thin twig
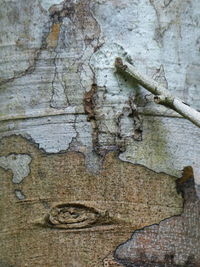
{"x": 162, "y": 95}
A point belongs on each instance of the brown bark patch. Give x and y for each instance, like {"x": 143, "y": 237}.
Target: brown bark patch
{"x": 53, "y": 36}
{"x": 89, "y": 102}
{"x": 71, "y": 217}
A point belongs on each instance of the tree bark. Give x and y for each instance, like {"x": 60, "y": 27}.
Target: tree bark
{"x": 162, "y": 95}
{"x": 86, "y": 156}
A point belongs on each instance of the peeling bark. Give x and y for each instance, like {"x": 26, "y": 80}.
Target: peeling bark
{"x": 173, "y": 242}
{"x": 63, "y": 105}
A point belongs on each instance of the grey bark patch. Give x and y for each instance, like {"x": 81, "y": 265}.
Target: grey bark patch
{"x": 52, "y": 133}
{"x": 168, "y": 145}
{"x": 19, "y": 194}
{"x": 20, "y": 57}
{"x": 173, "y": 242}
{"x": 74, "y": 35}
{"x": 18, "y": 164}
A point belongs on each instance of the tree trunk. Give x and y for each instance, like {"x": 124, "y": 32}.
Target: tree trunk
{"x": 86, "y": 156}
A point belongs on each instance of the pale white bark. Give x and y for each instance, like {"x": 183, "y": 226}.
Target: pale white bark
{"x": 162, "y": 95}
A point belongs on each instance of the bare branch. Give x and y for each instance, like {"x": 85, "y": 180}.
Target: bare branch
{"x": 162, "y": 95}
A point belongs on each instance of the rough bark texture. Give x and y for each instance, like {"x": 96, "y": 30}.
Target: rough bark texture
{"x": 63, "y": 215}
{"x": 173, "y": 242}
{"x": 72, "y": 130}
